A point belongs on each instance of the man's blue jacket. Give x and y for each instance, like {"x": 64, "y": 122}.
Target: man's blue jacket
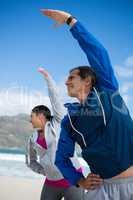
{"x": 102, "y": 126}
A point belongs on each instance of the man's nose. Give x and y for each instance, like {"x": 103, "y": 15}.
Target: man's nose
{"x": 67, "y": 82}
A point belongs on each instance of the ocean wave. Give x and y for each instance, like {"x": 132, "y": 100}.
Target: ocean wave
{"x": 15, "y": 157}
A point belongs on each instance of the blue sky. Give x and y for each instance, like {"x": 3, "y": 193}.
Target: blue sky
{"x": 27, "y": 40}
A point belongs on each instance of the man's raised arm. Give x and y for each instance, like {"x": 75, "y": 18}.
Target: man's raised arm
{"x": 95, "y": 52}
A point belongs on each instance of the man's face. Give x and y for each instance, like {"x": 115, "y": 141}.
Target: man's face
{"x": 38, "y": 121}
{"x": 75, "y": 85}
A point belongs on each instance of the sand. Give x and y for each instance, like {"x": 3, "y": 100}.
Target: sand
{"x": 14, "y": 188}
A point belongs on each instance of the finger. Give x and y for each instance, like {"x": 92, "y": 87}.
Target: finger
{"x": 92, "y": 187}
{"x": 96, "y": 182}
{"x": 40, "y": 69}
{"x": 43, "y": 71}
{"x": 93, "y": 178}
{"x": 46, "y": 12}
{"x": 93, "y": 175}
{"x": 50, "y": 13}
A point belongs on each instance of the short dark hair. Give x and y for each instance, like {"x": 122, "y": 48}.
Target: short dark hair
{"x": 44, "y": 110}
{"x": 86, "y": 71}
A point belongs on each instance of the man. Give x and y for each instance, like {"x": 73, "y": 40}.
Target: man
{"x": 100, "y": 123}
{"x": 43, "y": 143}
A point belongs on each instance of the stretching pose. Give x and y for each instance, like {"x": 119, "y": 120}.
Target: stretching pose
{"x": 100, "y": 122}
{"x": 43, "y": 143}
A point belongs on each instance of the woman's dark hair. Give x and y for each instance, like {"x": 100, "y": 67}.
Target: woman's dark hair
{"x": 41, "y": 109}
{"x": 86, "y": 71}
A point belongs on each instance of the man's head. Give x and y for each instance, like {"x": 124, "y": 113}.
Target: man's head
{"x": 80, "y": 81}
{"x": 39, "y": 116}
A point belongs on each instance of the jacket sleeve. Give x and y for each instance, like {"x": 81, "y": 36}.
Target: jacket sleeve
{"x": 97, "y": 56}
{"x": 65, "y": 151}
{"x": 31, "y": 159}
{"x": 55, "y": 99}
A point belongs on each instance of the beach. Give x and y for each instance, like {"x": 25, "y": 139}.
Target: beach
{"x": 18, "y": 182}
{"x": 17, "y": 188}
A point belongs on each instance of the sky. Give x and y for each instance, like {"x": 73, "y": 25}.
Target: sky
{"x": 28, "y": 40}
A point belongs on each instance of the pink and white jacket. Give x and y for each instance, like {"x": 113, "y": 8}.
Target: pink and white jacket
{"x": 42, "y": 160}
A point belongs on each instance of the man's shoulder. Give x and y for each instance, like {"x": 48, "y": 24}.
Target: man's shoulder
{"x": 67, "y": 105}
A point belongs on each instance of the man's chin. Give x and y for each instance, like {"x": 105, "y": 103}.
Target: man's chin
{"x": 70, "y": 94}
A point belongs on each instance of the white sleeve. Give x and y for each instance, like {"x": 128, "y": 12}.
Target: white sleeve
{"x": 55, "y": 99}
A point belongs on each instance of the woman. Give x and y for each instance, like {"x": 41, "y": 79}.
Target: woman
{"x": 43, "y": 144}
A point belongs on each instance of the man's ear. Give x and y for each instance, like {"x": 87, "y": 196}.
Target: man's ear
{"x": 88, "y": 81}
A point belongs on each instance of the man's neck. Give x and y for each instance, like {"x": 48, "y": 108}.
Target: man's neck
{"x": 83, "y": 96}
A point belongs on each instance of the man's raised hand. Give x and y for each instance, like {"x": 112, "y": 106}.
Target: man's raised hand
{"x": 59, "y": 16}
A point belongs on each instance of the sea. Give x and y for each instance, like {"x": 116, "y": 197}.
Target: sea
{"x": 12, "y": 164}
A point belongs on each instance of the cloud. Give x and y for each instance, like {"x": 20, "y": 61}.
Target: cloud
{"x": 126, "y": 69}
{"x": 16, "y": 100}
{"x": 126, "y": 92}
{"x": 129, "y": 61}
{"x": 124, "y": 72}
{"x": 126, "y": 87}
{"x": 125, "y": 75}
